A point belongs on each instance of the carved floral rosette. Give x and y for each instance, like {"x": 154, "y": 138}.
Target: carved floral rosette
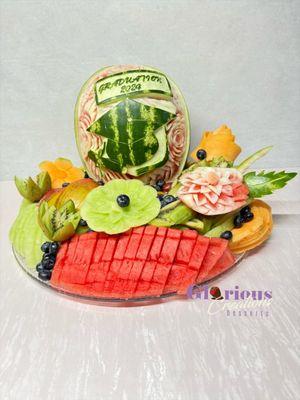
{"x": 177, "y": 130}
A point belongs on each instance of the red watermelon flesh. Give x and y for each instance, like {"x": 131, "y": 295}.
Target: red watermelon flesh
{"x": 97, "y": 256}
{"x": 116, "y": 262}
{"x": 143, "y": 262}
{"x": 186, "y": 246}
{"x": 182, "y": 258}
{"x": 103, "y": 266}
{"x": 82, "y": 258}
{"x": 225, "y": 262}
{"x": 149, "y": 266}
{"x": 175, "y": 278}
{"x": 119, "y": 288}
{"x": 141, "y": 256}
{"x": 216, "y": 248}
{"x": 60, "y": 259}
{"x": 195, "y": 262}
{"x": 165, "y": 262}
{"x": 67, "y": 267}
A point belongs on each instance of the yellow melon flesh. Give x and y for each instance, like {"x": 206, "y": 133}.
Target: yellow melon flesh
{"x": 255, "y": 232}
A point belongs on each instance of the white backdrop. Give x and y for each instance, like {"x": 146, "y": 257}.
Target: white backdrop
{"x": 237, "y": 62}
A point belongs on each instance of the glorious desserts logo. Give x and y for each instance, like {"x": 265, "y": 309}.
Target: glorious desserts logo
{"x": 234, "y": 301}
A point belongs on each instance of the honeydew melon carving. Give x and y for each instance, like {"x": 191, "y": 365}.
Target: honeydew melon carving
{"x": 87, "y": 111}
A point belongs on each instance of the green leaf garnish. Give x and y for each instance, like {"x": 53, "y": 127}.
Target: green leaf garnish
{"x": 264, "y": 183}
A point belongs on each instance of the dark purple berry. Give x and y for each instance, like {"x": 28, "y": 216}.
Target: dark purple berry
{"x": 45, "y": 275}
{"x": 160, "y": 183}
{"x": 39, "y": 267}
{"x": 45, "y": 247}
{"x": 82, "y": 222}
{"x": 123, "y": 200}
{"x": 226, "y": 235}
{"x": 238, "y": 221}
{"x": 248, "y": 217}
{"x": 201, "y": 154}
{"x": 169, "y": 199}
{"x": 54, "y": 246}
{"x": 86, "y": 175}
{"x": 245, "y": 210}
{"x": 65, "y": 184}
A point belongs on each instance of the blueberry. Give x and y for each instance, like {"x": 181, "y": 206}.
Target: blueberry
{"x": 47, "y": 258}
{"x": 169, "y": 199}
{"x": 48, "y": 265}
{"x": 226, "y": 235}
{"x": 245, "y": 210}
{"x": 238, "y": 221}
{"x": 248, "y": 216}
{"x": 201, "y": 154}
{"x": 45, "y": 275}
{"x": 65, "y": 184}
{"x": 82, "y": 222}
{"x": 45, "y": 247}
{"x": 39, "y": 267}
{"x": 86, "y": 175}
{"x": 101, "y": 183}
{"x": 54, "y": 246}
{"x": 160, "y": 183}
{"x": 123, "y": 200}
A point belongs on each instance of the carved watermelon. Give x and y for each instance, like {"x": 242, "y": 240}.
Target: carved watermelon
{"x": 132, "y": 121}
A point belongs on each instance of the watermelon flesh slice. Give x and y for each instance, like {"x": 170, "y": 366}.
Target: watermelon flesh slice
{"x": 167, "y": 256}
{"x": 143, "y": 262}
{"x": 142, "y": 288}
{"x": 224, "y": 263}
{"x": 119, "y": 288}
{"x": 217, "y": 247}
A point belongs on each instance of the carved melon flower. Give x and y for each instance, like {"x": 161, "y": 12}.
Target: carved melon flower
{"x": 220, "y": 143}
{"x": 212, "y": 191}
{"x": 61, "y": 171}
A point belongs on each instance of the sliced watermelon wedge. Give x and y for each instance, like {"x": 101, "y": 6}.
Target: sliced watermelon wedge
{"x": 216, "y": 248}
{"x": 163, "y": 267}
{"x": 116, "y": 263}
{"x": 142, "y": 288}
{"x": 122, "y": 277}
{"x": 143, "y": 262}
{"x": 82, "y": 258}
{"x": 195, "y": 263}
{"x": 225, "y": 262}
{"x": 60, "y": 259}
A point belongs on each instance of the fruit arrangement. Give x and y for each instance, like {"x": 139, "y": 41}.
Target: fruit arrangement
{"x": 138, "y": 219}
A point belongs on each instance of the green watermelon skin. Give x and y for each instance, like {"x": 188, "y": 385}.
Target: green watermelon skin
{"x": 86, "y": 114}
{"x": 130, "y": 131}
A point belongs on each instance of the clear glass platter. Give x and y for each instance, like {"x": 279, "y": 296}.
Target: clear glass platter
{"x": 112, "y": 301}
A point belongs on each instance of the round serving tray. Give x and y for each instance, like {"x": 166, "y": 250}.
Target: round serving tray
{"x": 111, "y": 301}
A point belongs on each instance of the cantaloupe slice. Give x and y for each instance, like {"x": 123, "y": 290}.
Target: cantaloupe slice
{"x": 255, "y": 232}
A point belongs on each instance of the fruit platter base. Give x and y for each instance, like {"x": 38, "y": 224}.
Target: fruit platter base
{"x": 111, "y": 302}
